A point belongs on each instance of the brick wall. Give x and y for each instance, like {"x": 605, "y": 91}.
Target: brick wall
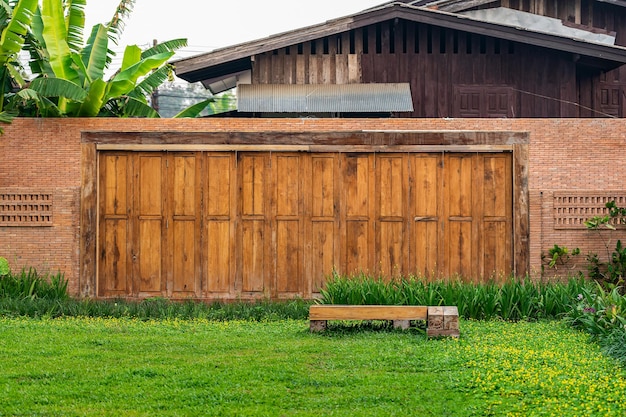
{"x": 44, "y": 155}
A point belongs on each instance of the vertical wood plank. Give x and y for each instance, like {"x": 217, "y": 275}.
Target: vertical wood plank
{"x": 87, "y": 277}
{"x": 425, "y": 203}
{"x": 219, "y": 221}
{"x": 289, "y": 228}
{"x": 255, "y": 239}
{"x": 114, "y": 266}
{"x": 356, "y": 182}
{"x": 185, "y": 225}
{"x": 150, "y": 218}
{"x": 391, "y": 213}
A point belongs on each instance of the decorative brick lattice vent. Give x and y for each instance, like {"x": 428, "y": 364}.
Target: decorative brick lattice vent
{"x": 25, "y": 208}
{"x": 573, "y": 208}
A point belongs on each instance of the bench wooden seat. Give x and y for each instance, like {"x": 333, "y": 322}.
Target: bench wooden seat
{"x": 441, "y": 320}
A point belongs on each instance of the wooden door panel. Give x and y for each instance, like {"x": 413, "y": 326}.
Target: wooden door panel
{"x": 324, "y": 219}
{"x": 253, "y": 255}
{"x": 497, "y": 215}
{"x": 149, "y": 256}
{"x": 459, "y": 239}
{"x": 253, "y": 185}
{"x": 184, "y": 249}
{"x": 459, "y": 249}
{"x": 219, "y": 243}
{"x": 184, "y": 257}
{"x": 357, "y": 185}
{"x": 392, "y": 205}
{"x": 459, "y": 174}
{"x": 288, "y": 190}
{"x": 425, "y": 252}
{"x": 255, "y": 229}
{"x": 358, "y": 218}
{"x": 391, "y": 252}
{"x": 150, "y": 216}
{"x": 497, "y": 250}
{"x": 391, "y": 182}
{"x": 288, "y": 222}
{"x": 425, "y": 207}
{"x": 114, "y": 273}
{"x": 323, "y": 251}
{"x": 288, "y": 257}
{"x": 220, "y": 216}
{"x": 357, "y": 246}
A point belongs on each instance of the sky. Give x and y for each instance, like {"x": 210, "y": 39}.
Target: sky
{"x": 211, "y": 24}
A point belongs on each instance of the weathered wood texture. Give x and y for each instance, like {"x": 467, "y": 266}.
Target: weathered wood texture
{"x": 261, "y": 224}
{"x": 441, "y": 320}
{"x": 367, "y": 312}
{"x": 452, "y": 73}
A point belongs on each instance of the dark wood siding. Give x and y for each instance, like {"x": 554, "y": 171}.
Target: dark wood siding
{"x": 513, "y": 79}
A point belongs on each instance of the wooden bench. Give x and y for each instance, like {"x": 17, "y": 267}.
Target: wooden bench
{"x": 441, "y": 320}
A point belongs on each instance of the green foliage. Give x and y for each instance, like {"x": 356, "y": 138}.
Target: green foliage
{"x": 69, "y": 76}
{"x": 612, "y": 271}
{"x": 149, "y": 309}
{"x": 5, "y": 269}
{"x": 30, "y": 285}
{"x": 124, "y": 367}
{"x": 558, "y": 255}
{"x": 514, "y": 299}
{"x": 598, "y": 311}
{"x": 602, "y": 314}
{"x": 15, "y": 22}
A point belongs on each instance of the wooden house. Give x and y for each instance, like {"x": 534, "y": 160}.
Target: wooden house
{"x": 532, "y": 58}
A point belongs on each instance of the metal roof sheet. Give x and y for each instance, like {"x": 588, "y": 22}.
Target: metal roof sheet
{"x": 324, "y": 98}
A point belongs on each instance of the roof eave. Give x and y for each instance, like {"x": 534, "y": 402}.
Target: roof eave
{"x": 199, "y": 67}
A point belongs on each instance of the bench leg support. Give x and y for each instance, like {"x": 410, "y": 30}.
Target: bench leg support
{"x": 317, "y": 325}
{"x": 401, "y": 324}
{"x": 443, "y": 321}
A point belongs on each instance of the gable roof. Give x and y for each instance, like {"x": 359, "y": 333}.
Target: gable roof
{"x": 237, "y": 58}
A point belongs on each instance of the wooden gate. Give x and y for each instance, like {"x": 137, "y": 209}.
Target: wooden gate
{"x": 274, "y": 224}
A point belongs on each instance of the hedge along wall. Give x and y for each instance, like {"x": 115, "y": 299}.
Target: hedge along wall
{"x": 570, "y": 162}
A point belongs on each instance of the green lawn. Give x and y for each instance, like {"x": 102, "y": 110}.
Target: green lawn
{"x": 129, "y": 367}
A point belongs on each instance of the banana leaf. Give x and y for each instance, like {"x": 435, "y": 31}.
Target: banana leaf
{"x": 125, "y": 81}
{"x": 194, "y": 110}
{"x": 93, "y": 102}
{"x": 95, "y": 53}
{"x": 75, "y": 24}
{"x": 55, "y": 36}
{"x": 132, "y": 55}
{"x": 13, "y": 35}
{"x": 167, "y": 46}
{"x": 58, "y": 87}
{"x": 133, "y": 107}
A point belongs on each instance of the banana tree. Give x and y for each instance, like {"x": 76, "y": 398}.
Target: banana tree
{"x": 15, "y": 22}
{"x": 70, "y": 77}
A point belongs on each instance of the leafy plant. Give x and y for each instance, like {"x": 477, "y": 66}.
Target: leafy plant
{"x": 29, "y": 284}
{"x": 559, "y": 255}
{"x": 514, "y": 299}
{"x": 4, "y": 267}
{"x": 614, "y": 269}
{"x": 69, "y": 76}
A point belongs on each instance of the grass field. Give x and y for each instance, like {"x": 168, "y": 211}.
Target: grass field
{"x": 127, "y": 367}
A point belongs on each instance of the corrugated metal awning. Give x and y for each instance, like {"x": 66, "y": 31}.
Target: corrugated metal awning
{"x": 324, "y": 98}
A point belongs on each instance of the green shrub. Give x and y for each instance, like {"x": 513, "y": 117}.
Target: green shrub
{"x": 154, "y": 308}
{"x": 598, "y": 311}
{"x": 514, "y": 299}
{"x": 30, "y": 284}
{"x": 4, "y": 267}
{"x": 602, "y": 314}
